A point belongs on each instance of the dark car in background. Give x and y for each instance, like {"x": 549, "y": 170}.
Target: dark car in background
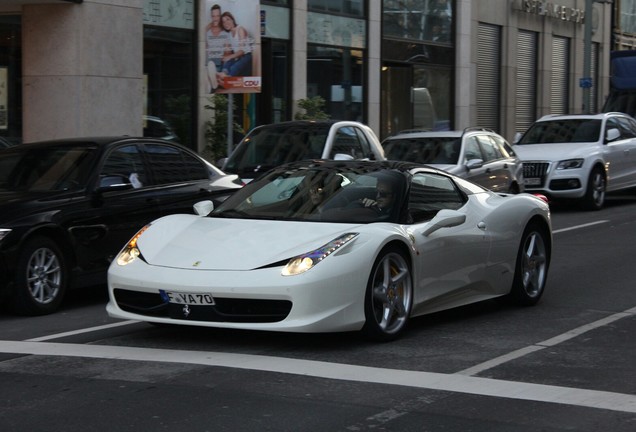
{"x": 67, "y": 207}
{"x": 269, "y": 146}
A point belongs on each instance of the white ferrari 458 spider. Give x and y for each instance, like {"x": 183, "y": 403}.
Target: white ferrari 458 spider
{"x": 320, "y": 246}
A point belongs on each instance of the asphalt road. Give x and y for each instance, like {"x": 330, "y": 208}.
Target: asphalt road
{"x": 565, "y": 365}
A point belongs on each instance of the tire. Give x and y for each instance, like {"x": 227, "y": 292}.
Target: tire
{"x": 389, "y": 297}
{"x": 41, "y": 278}
{"x": 531, "y": 269}
{"x": 594, "y": 198}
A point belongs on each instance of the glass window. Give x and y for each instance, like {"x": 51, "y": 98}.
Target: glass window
{"x": 169, "y": 73}
{"x": 336, "y": 74}
{"x": 430, "y": 193}
{"x": 124, "y": 164}
{"x": 347, "y": 7}
{"x": 425, "y": 20}
{"x": 490, "y": 151}
{"x": 171, "y": 165}
{"x": 10, "y": 79}
{"x": 472, "y": 151}
{"x": 347, "y": 142}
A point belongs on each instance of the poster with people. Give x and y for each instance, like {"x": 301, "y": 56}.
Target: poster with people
{"x": 233, "y": 46}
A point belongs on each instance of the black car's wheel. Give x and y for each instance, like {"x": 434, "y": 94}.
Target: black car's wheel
{"x": 531, "y": 270}
{"x": 389, "y": 296}
{"x": 41, "y": 278}
{"x": 595, "y": 194}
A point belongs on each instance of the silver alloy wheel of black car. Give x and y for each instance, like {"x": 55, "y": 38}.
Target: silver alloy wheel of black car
{"x": 531, "y": 271}
{"x": 595, "y": 194}
{"x": 41, "y": 277}
{"x": 389, "y": 296}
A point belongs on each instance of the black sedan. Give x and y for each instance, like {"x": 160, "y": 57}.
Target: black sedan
{"x": 68, "y": 206}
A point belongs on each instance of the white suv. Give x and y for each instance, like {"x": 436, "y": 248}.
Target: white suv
{"x": 579, "y": 156}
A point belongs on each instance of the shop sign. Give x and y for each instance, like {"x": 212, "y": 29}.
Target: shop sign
{"x": 551, "y": 10}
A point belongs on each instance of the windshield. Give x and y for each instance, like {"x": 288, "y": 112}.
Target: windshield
{"x": 54, "y": 168}
{"x": 429, "y": 150}
{"x": 318, "y": 194}
{"x": 268, "y": 147}
{"x": 563, "y": 131}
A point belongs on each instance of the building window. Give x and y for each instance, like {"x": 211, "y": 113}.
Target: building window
{"x": 559, "y": 88}
{"x": 10, "y": 79}
{"x": 339, "y": 7}
{"x": 336, "y": 74}
{"x": 169, "y": 74}
{"x": 424, "y": 20}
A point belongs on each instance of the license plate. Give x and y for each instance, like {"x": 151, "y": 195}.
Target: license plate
{"x": 188, "y": 298}
{"x": 532, "y": 181}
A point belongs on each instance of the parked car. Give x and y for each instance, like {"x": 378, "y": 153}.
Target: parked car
{"x": 268, "y": 146}
{"x": 67, "y": 207}
{"x": 579, "y": 156}
{"x": 339, "y": 246}
{"x": 477, "y": 154}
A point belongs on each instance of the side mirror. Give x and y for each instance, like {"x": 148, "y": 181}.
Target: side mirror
{"x": 612, "y": 135}
{"x": 517, "y": 137}
{"x": 203, "y": 208}
{"x": 111, "y": 183}
{"x": 444, "y": 219}
{"x": 474, "y": 163}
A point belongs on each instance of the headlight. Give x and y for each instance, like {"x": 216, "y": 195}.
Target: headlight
{"x": 4, "y": 232}
{"x": 302, "y": 263}
{"x": 569, "y": 164}
{"x": 130, "y": 251}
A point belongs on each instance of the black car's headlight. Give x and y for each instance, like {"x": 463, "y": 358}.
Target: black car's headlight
{"x": 302, "y": 263}
{"x": 131, "y": 252}
{"x": 4, "y": 232}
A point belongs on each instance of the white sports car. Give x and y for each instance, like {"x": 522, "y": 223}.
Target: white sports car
{"x": 320, "y": 246}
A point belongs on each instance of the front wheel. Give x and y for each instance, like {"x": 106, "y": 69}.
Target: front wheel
{"x": 40, "y": 278}
{"x": 389, "y": 296}
{"x": 531, "y": 270}
{"x": 595, "y": 194}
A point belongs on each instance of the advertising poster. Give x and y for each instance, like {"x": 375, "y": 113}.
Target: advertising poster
{"x": 233, "y": 46}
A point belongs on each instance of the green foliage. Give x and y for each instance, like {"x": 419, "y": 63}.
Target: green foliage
{"x": 313, "y": 109}
{"x": 216, "y": 129}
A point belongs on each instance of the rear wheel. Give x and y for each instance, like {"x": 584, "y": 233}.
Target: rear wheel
{"x": 41, "y": 278}
{"x": 595, "y": 194}
{"x": 389, "y": 296}
{"x": 531, "y": 270}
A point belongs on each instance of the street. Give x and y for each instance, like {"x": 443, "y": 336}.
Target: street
{"x": 566, "y": 364}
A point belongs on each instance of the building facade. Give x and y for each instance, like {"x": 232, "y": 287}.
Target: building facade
{"x": 96, "y": 67}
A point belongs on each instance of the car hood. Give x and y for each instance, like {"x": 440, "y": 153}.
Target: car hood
{"x": 554, "y": 152}
{"x": 210, "y": 243}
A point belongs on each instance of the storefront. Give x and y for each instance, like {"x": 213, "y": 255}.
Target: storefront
{"x": 98, "y": 68}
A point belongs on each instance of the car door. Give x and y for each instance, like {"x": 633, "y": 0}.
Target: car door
{"x": 178, "y": 178}
{"x": 496, "y": 171}
{"x": 451, "y": 261}
{"x": 121, "y": 202}
{"x": 620, "y": 153}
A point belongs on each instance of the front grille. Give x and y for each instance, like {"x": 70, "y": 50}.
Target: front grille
{"x": 225, "y": 309}
{"x": 535, "y": 170}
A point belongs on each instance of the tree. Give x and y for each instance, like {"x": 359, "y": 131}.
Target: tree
{"x": 216, "y": 129}
{"x": 313, "y": 109}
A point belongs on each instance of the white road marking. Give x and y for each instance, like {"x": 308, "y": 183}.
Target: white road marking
{"x": 425, "y": 380}
{"x": 547, "y": 343}
{"x": 579, "y": 226}
{"x": 80, "y": 331}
